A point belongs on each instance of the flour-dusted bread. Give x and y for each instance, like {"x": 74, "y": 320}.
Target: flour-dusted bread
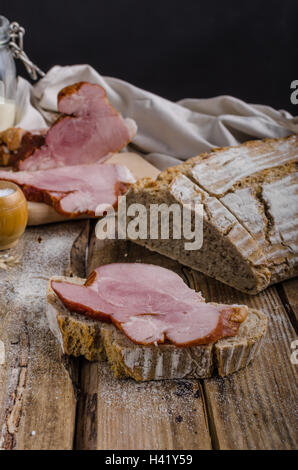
{"x": 98, "y": 341}
{"x": 250, "y": 199}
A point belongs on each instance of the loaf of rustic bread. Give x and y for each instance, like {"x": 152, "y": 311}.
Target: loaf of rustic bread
{"x": 250, "y": 199}
{"x": 98, "y": 341}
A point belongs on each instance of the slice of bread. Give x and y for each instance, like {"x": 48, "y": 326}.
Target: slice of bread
{"x": 98, "y": 341}
{"x": 76, "y": 334}
{"x": 250, "y": 200}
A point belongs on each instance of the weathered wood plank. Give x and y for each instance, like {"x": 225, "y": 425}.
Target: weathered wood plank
{"x": 256, "y": 407}
{"x": 37, "y": 397}
{"x": 290, "y": 298}
{"x": 124, "y": 414}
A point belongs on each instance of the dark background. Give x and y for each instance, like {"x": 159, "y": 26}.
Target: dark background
{"x": 178, "y": 49}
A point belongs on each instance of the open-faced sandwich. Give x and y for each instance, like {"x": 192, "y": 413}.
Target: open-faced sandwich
{"x": 150, "y": 325}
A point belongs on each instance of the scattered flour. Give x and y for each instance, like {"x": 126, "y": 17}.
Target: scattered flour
{"x": 2, "y": 353}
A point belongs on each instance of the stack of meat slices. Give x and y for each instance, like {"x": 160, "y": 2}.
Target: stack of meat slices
{"x": 62, "y": 167}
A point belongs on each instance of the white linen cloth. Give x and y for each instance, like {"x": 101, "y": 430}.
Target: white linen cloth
{"x": 168, "y": 132}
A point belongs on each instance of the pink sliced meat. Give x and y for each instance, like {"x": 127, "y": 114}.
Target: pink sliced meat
{"x": 76, "y": 190}
{"x": 89, "y": 130}
{"x": 151, "y": 305}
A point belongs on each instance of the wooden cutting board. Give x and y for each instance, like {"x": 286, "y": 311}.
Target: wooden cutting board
{"x": 40, "y": 213}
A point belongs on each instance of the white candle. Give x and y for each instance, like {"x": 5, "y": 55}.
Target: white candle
{"x": 7, "y": 114}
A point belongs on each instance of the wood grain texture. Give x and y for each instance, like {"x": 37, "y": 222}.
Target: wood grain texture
{"x": 124, "y": 414}
{"x": 290, "y": 298}
{"x": 37, "y": 396}
{"x": 256, "y": 407}
{"x": 40, "y": 213}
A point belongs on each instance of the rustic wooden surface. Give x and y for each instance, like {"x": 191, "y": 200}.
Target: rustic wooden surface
{"x": 50, "y": 402}
{"x": 290, "y": 297}
{"x": 256, "y": 408}
{"x": 37, "y": 393}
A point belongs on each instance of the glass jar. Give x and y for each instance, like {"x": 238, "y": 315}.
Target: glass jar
{"x": 7, "y": 78}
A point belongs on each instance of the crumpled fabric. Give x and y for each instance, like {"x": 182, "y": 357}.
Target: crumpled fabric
{"x": 168, "y": 132}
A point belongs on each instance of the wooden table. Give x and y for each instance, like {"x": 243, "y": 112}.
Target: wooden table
{"x": 52, "y": 402}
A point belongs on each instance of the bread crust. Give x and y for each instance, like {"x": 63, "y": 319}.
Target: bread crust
{"x": 254, "y": 186}
{"x": 225, "y": 242}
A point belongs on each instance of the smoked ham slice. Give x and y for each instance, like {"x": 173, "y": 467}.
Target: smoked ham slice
{"x": 88, "y": 131}
{"x": 73, "y": 191}
{"x": 150, "y": 305}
